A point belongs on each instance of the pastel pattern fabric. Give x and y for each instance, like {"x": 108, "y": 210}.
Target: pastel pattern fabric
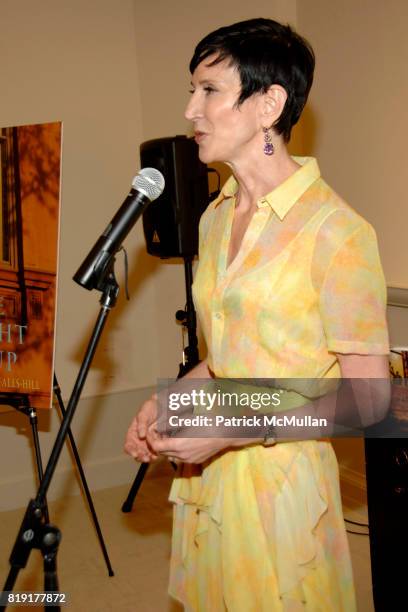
{"x": 261, "y": 528}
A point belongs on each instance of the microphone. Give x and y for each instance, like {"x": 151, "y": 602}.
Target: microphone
{"x": 146, "y": 187}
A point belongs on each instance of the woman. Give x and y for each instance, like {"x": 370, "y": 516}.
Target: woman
{"x": 289, "y": 285}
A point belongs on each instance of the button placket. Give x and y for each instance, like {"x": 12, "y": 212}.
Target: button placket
{"x": 217, "y": 325}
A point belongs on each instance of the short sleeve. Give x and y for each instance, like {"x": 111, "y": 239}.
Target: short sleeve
{"x": 353, "y": 297}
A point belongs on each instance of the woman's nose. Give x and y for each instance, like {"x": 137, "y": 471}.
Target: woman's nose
{"x": 192, "y": 109}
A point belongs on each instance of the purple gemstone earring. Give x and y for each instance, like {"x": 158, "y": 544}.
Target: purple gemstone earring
{"x": 268, "y": 146}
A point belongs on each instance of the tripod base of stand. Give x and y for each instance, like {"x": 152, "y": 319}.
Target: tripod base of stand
{"x": 35, "y": 533}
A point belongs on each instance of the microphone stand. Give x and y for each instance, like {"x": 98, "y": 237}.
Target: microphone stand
{"x": 35, "y": 530}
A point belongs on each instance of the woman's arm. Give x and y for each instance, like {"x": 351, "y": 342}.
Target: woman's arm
{"x": 373, "y": 407}
{"x": 363, "y": 366}
{"x": 362, "y": 398}
{"x": 363, "y": 401}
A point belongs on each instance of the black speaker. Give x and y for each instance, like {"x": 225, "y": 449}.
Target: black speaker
{"x": 387, "y": 495}
{"x": 170, "y": 223}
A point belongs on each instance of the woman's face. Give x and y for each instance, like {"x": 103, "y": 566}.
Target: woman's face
{"x": 223, "y": 131}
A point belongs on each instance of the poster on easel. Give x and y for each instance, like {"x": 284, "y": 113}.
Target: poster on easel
{"x": 30, "y": 173}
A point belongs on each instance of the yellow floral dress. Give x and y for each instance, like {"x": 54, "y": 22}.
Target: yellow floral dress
{"x": 261, "y": 528}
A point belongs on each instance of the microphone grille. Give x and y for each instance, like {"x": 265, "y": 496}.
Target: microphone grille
{"x": 150, "y": 182}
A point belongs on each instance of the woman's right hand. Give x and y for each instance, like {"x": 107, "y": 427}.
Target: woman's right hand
{"x": 136, "y": 444}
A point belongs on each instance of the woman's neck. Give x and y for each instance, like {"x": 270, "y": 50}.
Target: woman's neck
{"x": 257, "y": 177}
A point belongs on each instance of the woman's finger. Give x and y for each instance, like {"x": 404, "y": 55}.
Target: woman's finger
{"x": 161, "y": 445}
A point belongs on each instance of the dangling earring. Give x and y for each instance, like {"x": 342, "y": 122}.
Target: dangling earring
{"x": 268, "y": 146}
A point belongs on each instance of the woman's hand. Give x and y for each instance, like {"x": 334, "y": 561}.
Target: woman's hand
{"x": 188, "y": 450}
{"x": 136, "y": 443}
{"x": 192, "y": 450}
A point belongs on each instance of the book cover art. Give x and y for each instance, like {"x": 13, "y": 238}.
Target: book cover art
{"x": 29, "y": 229}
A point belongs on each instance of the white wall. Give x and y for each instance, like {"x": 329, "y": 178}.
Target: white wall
{"x": 358, "y": 115}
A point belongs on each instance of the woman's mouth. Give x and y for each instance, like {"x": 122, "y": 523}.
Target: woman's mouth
{"x": 199, "y": 136}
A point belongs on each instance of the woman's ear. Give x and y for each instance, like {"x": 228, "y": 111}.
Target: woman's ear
{"x": 273, "y": 103}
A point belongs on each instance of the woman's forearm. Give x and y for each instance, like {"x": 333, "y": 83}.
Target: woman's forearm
{"x": 355, "y": 405}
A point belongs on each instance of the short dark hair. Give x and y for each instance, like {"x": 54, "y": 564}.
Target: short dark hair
{"x": 265, "y": 52}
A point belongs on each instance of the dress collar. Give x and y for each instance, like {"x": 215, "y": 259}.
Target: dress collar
{"x": 284, "y": 196}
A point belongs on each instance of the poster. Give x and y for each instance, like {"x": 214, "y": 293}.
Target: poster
{"x": 29, "y": 230}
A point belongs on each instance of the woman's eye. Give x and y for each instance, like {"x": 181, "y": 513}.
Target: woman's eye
{"x": 208, "y": 90}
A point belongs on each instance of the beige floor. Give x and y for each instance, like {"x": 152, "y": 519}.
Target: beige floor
{"x": 138, "y": 544}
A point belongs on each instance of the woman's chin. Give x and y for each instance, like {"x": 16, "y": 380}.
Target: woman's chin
{"x": 204, "y": 156}
{"x": 207, "y": 157}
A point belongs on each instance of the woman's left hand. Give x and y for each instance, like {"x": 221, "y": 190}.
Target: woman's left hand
{"x": 188, "y": 450}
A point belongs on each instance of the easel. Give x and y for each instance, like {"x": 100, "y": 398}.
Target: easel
{"x": 21, "y": 402}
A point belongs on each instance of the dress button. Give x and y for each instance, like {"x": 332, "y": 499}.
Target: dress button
{"x": 218, "y": 315}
